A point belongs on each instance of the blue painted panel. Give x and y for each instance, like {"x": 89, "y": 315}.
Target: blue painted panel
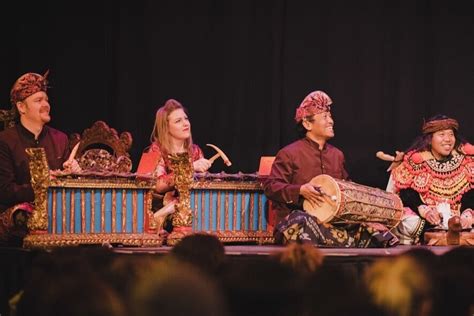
{"x": 140, "y": 211}
{"x": 88, "y": 211}
{"x": 120, "y": 211}
{"x": 256, "y": 211}
{"x": 59, "y": 212}
{"x": 246, "y": 208}
{"x": 193, "y": 208}
{"x": 263, "y": 211}
{"x": 129, "y": 212}
{"x": 77, "y": 211}
{"x": 50, "y": 211}
{"x": 231, "y": 211}
{"x": 98, "y": 211}
{"x": 214, "y": 211}
{"x": 108, "y": 211}
{"x": 206, "y": 210}
{"x": 199, "y": 208}
{"x": 67, "y": 212}
{"x": 238, "y": 211}
{"x": 222, "y": 193}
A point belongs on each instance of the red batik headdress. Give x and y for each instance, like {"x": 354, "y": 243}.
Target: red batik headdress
{"x": 316, "y": 102}
{"x": 27, "y": 85}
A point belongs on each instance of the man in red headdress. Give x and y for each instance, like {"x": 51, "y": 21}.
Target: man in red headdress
{"x": 289, "y": 182}
{"x": 28, "y": 97}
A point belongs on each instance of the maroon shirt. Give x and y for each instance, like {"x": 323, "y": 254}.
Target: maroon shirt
{"x": 295, "y": 165}
{"x": 15, "y": 184}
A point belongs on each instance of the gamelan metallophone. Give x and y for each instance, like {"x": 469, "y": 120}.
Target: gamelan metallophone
{"x": 97, "y": 210}
{"x": 232, "y": 207}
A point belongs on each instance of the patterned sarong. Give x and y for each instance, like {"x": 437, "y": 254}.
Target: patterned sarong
{"x": 301, "y": 227}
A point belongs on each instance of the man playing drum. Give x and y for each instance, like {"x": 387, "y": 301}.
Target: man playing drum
{"x": 288, "y": 184}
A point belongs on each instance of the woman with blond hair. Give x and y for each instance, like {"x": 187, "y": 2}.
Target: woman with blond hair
{"x": 171, "y": 135}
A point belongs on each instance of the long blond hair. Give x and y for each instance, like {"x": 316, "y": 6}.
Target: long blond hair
{"x": 160, "y": 134}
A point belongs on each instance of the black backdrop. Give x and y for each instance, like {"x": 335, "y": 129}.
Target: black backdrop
{"x": 242, "y": 67}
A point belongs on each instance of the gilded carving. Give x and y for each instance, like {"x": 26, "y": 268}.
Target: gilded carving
{"x": 39, "y": 171}
{"x": 65, "y": 240}
{"x": 152, "y": 225}
{"x": 90, "y": 158}
{"x": 260, "y": 237}
{"x": 183, "y": 178}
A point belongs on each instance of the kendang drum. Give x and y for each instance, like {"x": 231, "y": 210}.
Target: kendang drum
{"x": 349, "y": 202}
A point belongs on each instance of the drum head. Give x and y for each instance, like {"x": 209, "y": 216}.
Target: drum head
{"x": 332, "y": 198}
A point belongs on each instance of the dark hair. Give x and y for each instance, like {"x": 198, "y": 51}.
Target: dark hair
{"x": 423, "y": 142}
{"x": 300, "y": 129}
{"x": 204, "y": 251}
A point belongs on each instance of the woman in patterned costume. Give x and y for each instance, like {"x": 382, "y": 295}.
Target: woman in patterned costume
{"x": 437, "y": 169}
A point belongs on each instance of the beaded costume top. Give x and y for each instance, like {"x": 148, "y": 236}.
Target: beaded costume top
{"x": 437, "y": 181}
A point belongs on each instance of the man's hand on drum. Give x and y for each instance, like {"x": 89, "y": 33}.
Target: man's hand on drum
{"x": 308, "y": 192}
